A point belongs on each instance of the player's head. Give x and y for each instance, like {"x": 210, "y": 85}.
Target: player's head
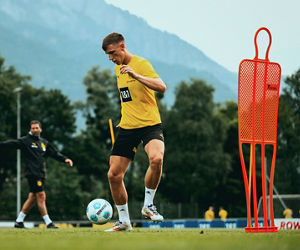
{"x": 114, "y": 46}
{"x": 35, "y": 128}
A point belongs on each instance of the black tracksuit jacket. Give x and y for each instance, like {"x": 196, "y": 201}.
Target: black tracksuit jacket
{"x": 35, "y": 151}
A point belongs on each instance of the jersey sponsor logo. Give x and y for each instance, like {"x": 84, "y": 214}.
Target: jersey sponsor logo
{"x": 125, "y": 94}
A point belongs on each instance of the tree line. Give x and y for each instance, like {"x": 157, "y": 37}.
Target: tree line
{"x": 201, "y": 163}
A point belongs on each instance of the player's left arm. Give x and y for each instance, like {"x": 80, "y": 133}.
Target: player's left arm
{"x": 153, "y": 83}
{"x": 52, "y": 152}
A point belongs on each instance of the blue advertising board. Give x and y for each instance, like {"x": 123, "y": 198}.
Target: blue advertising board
{"x": 230, "y": 223}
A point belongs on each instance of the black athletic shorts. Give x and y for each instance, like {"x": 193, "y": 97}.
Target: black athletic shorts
{"x": 36, "y": 184}
{"x": 128, "y": 140}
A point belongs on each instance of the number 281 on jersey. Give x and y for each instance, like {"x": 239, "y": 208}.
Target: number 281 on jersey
{"x": 125, "y": 94}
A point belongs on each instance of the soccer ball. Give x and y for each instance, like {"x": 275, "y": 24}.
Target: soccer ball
{"x": 99, "y": 211}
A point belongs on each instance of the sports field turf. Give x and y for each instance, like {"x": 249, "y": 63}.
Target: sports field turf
{"x": 95, "y": 238}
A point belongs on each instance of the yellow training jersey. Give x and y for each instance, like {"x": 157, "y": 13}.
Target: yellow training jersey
{"x": 138, "y": 105}
{"x": 209, "y": 215}
{"x": 288, "y": 213}
{"x": 223, "y": 214}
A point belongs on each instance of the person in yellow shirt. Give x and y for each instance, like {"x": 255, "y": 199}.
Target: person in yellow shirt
{"x": 287, "y": 213}
{"x": 209, "y": 214}
{"x": 137, "y": 82}
{"x": 223, "y": 213}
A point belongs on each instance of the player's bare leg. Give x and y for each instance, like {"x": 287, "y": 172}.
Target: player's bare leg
{"x": 41, "y": 201}
{"x": 155, "y": 151}
{"x": 28, "y": 204}
{"x": 117, "y": 170}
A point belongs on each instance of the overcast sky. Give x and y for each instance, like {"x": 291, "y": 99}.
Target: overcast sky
{"x": 224, "y": 29}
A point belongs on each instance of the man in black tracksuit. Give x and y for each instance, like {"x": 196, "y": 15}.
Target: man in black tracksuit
{"x": 35, "y": 150}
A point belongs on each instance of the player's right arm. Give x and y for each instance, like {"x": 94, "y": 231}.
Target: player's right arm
{"x": 16, "y": 144}
{"x": 52, "y": 152}
{"x": 147, "y": 75}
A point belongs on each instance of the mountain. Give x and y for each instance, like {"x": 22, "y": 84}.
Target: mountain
{"x": 58, "y": 41}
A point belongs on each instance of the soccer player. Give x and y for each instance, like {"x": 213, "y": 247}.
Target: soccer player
{"x": 140, "y": 122}
{"x": 223, "y": 213}
{"x": 35, "y": 149}
{"x": 209, "y": 214}
{"x": 288, "y": 213}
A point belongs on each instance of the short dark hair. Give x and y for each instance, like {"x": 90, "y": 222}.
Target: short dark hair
{"x": 36, "y": 122}
{"x": 112, "y": 38}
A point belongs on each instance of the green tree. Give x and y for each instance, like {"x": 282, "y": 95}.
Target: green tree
{"x": 287, "y": 173}
{"x": 92, "y": 147}
{"x": 231, "y": 194}
{"x": 65, "y": 198}
{"x": 51, "y": 107}
{"x": 195, "y": 164}
{"x": 9, "y": 80}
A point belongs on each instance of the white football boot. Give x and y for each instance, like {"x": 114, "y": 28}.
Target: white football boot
{"x": 119, "y": 226}
{"x": 150, "y": 212}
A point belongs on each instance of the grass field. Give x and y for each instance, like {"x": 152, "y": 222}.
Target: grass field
{"x": 140, "y": 238}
